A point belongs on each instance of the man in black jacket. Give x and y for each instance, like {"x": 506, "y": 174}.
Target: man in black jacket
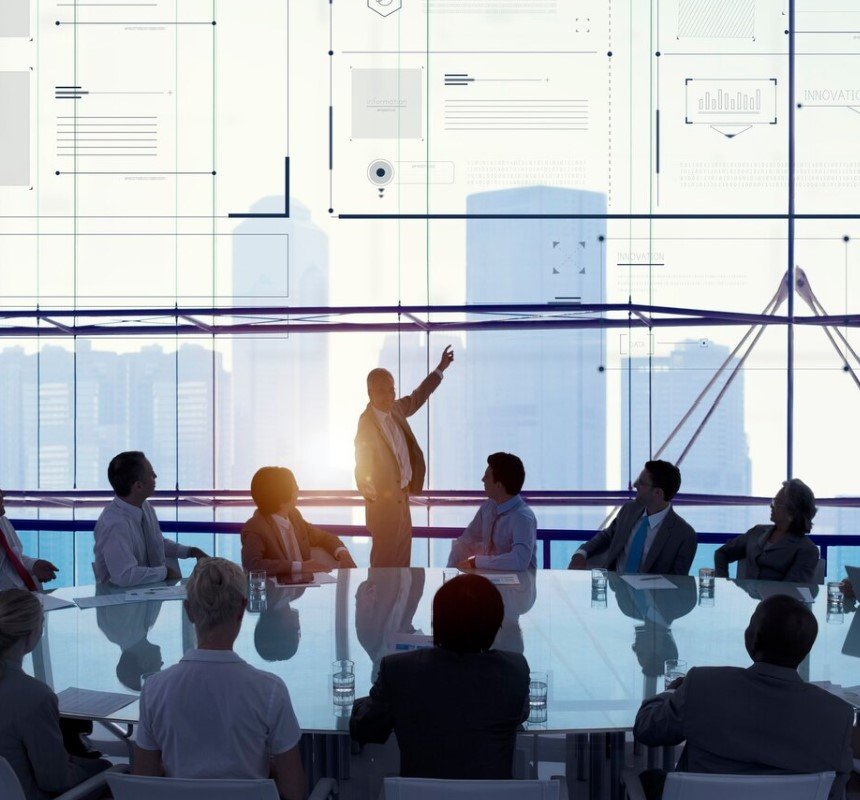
{"x": 455, "y": 708}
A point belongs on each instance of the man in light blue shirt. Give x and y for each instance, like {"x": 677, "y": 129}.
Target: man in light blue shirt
{"x": 503, "y": 533}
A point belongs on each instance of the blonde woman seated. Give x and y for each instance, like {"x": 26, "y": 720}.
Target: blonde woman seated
{"x": 212, "y": 715}
{"x": 781, "y": 551}
{"x": 30, "y": 736}
{"x": 277, "y": 539}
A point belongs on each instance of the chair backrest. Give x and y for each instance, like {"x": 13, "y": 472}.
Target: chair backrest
{"x": 696, "y": 786}
{"x": 432, "y": 789}
{"x": 820, "y": 571}
{"x": 10, "y": 786}
{"x": 135, "y": 787}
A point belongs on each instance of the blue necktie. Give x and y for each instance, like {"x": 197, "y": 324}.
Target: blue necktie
{"x": 637, "y": 547}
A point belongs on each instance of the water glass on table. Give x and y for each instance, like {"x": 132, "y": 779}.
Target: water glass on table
{"x": 706, "y": 578}
{"x": 537, "y": 697}
{"x": 598, "y": 588}
{"x": 257, "y": 590}
{"x": 343, "y": 682}
{"x": 673, "y": 669}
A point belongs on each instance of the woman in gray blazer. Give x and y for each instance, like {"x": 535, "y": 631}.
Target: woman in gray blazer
{"x": 30, "y": 736}
{"x": 781, "y": 551}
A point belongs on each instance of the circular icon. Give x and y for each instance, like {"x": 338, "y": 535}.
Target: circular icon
{"x": 380, "y": 172}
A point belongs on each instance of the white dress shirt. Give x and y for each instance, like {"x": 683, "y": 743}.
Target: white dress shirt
{"x": 654, "y": 523}
{"x": 214, "y": 716}
{"x": 9, "y": 577}
{"x": 291, "y": 545}
{"x": 129, "y": 548}
{"x": 397, "y": 442}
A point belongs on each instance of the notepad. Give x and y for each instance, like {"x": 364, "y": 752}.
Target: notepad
{"x": 91, "y": 704}
{"x": 51, "y": 603}
{"x": 639, "y": 581}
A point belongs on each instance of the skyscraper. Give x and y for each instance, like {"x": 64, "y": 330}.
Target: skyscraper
{"x": 540, "y": 394}
{"x": 280, "y": 385}
{"x": 718, "y": 462}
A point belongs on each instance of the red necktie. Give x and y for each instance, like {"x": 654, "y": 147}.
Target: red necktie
{"x": 22, "y": 571}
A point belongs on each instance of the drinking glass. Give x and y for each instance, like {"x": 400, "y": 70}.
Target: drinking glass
{"x": 672, "y": 669}
{"x": 343, "y": 682}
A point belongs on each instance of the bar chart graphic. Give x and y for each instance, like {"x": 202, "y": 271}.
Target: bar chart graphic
{"x": 730, "y": 101}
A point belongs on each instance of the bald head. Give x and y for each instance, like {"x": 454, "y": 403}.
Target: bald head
{"x": 782, "y": 631}
{"x": 380, "y": 389}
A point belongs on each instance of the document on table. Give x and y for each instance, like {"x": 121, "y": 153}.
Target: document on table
{"x": 176, "y": 592}
{"x": 51, "y": 603}
{"x": 402, "y": 642}
{"x": 141, "y": 594}
{"x": 320, "y": 578}
{"x": 501, "y": 578}
{"x": 638, "y": 581}
{"x": 770, "y": 588}
{"x": 95, "y": 705}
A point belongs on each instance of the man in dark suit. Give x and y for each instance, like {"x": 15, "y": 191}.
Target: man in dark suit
{"x": 646, "y": 535}
{"x": 389, "y": 464}
{"x": 761, "y": 720}
{"x": 277, "y": 538}
{"x": 455, "y": 708}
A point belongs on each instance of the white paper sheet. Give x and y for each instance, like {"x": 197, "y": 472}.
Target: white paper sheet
{"x": 639, "y": 581}
{"x": 501, "y": 578}
{"x": 320, "y": 578}
{"x": 51, "y": 603}
{"x": 156, "y": 593}
{"x": 95, "y": 705}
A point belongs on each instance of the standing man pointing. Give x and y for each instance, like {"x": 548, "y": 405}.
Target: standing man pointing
{"x": 389, "y": 464}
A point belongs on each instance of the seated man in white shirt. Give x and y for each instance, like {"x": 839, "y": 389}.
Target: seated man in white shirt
{"x": 503, "y": 533}
{"x": 19, "y": 571}
{"x": 129, "y": 548}
{"x": 212, "y": 715}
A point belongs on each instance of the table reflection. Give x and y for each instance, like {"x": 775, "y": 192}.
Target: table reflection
{"x": 128, "y": 626}
{"x": 385, "y": 605}
{"x": 601, "y": 658}
{"x": 657, "y": 609}
{"x": 278, "y": 629}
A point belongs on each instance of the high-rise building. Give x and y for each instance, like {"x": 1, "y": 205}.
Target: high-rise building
{"x": 280, "y": 384}
{"x": 656, "y": 393}
{"x": 537, "y": 393}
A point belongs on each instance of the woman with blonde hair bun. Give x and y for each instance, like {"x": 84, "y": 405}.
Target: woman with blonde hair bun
{"x": 30, "y": 736}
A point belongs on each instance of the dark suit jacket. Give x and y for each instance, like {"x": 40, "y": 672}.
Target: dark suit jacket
{"x": 263, "y": 548}
{"x": 761, "y": 720}
{"x": 455, "y": 715}
{"x": 793, "y": 558}
{"x": 374, "y": 459}
{"x": 671, "y": 553}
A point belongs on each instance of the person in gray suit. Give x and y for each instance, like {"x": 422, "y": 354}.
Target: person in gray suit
{"x": 762, "y": 720}
{"x": 778, "y": 552}
{"x": 646, "y": 535}
{"x": 455, "y": 707}
{"x": 389, "y": 464}
{"x": 31, "y": 738}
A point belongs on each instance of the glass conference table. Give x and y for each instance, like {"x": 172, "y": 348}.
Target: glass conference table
{"x": 602, "y": 656}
